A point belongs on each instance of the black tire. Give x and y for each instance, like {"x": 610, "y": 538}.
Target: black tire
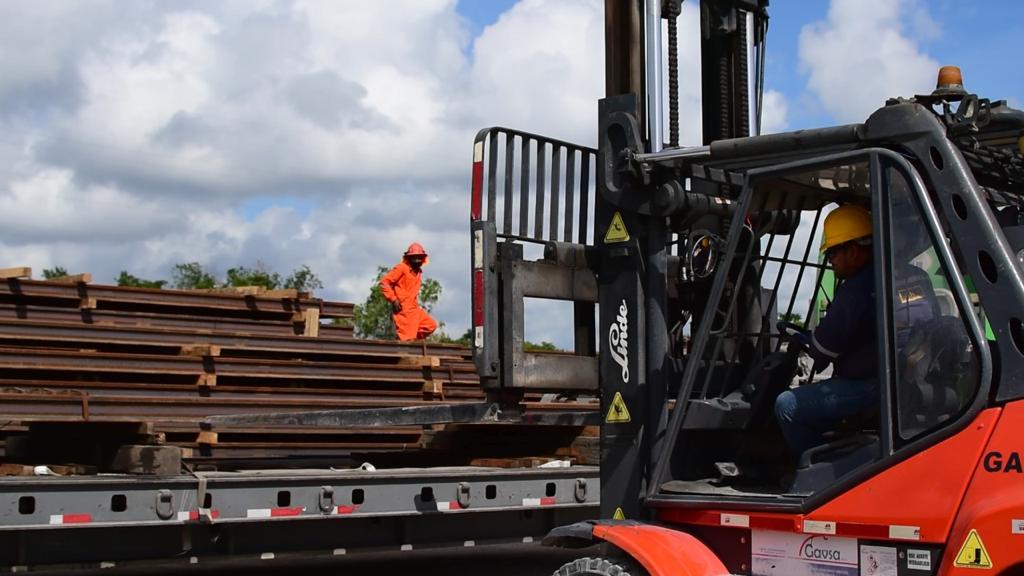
{"x": 601, "y": 567}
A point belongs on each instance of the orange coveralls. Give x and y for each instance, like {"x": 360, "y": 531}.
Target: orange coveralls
{"x": 402, "y": 284}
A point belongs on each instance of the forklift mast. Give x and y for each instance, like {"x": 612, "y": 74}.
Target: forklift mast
{"x": 633, "y": 255}
{"x": 606, "y": 243}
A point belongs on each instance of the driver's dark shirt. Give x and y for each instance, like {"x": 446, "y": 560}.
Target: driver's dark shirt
{"x": 846, "y": 334}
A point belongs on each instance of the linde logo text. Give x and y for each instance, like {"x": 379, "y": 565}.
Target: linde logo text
{"x": 618, "y": 340}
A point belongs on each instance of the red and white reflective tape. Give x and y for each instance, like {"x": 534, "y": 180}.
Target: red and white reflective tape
{"x": 58, "y": 519}
{"x": 476, "y": 202}
{"x": 448, "y": 506}
{"x": 193, "y": 515}
{"x": 546, "y": 501}
{"x": 275, "y": 512}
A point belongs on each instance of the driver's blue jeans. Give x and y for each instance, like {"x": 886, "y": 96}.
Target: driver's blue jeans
{"x": 807, "y": 412}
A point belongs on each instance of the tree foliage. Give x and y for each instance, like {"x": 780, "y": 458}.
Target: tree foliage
{"x": 792, "y": 317}
{"x": 126, "y": 279}
{"x": 372, "y": 318}
{"x": 258, "y": 276}
{"x": 55, "y": 272}
{"x": 303, "y": 279}
{"x": 543, "y": 346}
{"x": 192, "y": 276}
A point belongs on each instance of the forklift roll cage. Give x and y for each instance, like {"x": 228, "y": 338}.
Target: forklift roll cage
{"x": 903, "y": 138}
{"x": 879, "y": 161}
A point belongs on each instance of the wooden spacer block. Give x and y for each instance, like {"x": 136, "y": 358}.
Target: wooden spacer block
{"x": 311, "y": 320}
{"x": 83, "y": 278}
{"x": 434, "y": 387}
{"x": 206, "y": 437}
{"x": 290, "y": 293}
{"x": 17, "y": 272}
{"x": 426, "y": 361}
{"x": 154, "y": 460}
{"x": 87, "y": 304}
{"x": 9, "y": 469}
{"x": 233, "y": 290}
{"x": 212, "y": 350}
{"x": 207, "y": 380}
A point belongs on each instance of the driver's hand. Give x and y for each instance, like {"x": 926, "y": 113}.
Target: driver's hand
{"x": 804, "y": 339}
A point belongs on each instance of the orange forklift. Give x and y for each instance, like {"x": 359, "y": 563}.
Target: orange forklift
{"x": 692, "y": 273}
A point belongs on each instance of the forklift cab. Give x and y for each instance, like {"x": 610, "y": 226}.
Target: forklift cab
{"x": 769, "y": 280}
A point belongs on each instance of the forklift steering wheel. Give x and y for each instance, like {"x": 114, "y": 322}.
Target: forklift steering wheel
{"x": 792, "y": 333}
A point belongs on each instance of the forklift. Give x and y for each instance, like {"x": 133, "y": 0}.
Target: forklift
{"x": 693, "y": 273}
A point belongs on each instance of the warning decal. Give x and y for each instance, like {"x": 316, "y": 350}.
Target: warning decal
{"x": 617, "y": 412}
{"x": 972, "y": 554}
{"x": 616, "y": 230}
{"x": 618, "y": 515}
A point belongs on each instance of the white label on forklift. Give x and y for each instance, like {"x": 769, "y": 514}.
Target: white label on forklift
{"x": 478, "y": 336}
{"x": 819, "y": 527}
{"x": 741, "y": 520}
{"x": 1017, "y": 526}
{"x": 788, "y": 554}
{"x": 905, "y": 532}
{"x": 478, "y": 152}
{"x": 919, "y": 560}
{"x": 877, "y": 561}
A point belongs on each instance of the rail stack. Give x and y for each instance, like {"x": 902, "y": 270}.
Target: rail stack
{"x": 87, "y": 370}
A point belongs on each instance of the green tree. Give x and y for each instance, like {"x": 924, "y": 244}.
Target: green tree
{"x": 372, "y": 318}
{"x": 543, "y": 346}
{"x": 792, "y": 317}
{"x": 303, "y": 279}
{"x": 126, "y": 279}
{"x": 191, "y": 276}
{"x": 55, "y": 272}
{"x": 258, "y": 276}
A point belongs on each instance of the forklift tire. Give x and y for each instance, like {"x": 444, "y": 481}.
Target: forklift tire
{"x": 601, "y": 567}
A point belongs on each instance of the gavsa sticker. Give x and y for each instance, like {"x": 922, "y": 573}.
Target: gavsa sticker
{"x": 787, "y": 554}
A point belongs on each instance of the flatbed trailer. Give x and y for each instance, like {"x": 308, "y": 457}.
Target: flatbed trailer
{"x": 86, "y": 523}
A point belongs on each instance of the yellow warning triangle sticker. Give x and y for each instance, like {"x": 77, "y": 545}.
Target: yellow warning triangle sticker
{"x": 616, "y": 230}
{"x": 618, "y": 515}
{"x": 972, "y": 553}
{"x": 617, "y": 412}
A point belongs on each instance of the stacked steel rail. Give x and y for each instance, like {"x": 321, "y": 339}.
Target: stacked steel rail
{"x": 77, "y": 357}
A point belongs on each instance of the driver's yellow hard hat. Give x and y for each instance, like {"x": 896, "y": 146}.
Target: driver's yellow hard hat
{"x": 846, "y": 223}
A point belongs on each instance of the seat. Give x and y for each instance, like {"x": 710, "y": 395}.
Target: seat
{"x": 933, "y": 366}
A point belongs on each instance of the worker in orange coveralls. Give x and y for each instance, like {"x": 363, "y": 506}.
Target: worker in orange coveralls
{"x": 401, "y": 287}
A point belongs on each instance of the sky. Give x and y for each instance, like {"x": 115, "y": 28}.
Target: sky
{"x": 332, "y": 133}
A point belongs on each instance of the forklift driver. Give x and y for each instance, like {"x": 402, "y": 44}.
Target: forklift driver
{"x": 845, "y": 337}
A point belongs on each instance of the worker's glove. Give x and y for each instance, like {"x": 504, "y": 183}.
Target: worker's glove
{"x": 396, "y": 306}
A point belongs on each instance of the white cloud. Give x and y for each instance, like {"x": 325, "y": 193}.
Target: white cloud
{"x": 134, "y": 135}
{"x": 774, "y": 113}
{"x": 862, "y": 54}
{"x": 540, "y": 68}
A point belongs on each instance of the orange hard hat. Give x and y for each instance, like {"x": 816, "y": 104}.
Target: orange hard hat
{"x": 415, "y": 249}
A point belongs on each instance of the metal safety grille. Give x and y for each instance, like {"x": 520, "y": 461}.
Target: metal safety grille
{"x": 776, "y": 273}
{"x": 534, "y": 188}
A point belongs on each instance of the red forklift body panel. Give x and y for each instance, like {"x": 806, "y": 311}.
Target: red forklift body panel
{"x": 923, "y": 491}
{"x": 989, "y": 531}
{"x": 914, "y": 500}
{"x": 661, "y": 551}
